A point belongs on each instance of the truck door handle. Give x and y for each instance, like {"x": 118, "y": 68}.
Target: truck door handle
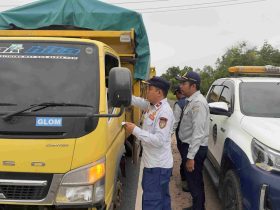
{"x": 223, "y": 130}
{"x": 211, "y": 119}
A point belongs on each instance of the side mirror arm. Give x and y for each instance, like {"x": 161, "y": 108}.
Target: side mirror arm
{"x": 217, "y": 111}
{"x": 110, "y": 115}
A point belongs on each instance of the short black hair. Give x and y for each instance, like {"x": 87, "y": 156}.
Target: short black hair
{"x": 163, "y": 91}
{"x": 196, "y": 84}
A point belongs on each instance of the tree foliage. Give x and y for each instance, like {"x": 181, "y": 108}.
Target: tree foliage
{"x": 239, "y": 55}
{"x": 174, "y": 71}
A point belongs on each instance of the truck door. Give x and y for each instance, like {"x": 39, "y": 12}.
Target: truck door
{"x": 223, "y": 122}
{"x": 213, "y": 96}
{"x": 219, "y": 124}
{"x": 114, "y": 123}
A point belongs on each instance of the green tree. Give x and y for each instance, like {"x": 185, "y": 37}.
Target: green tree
{"x": 207, "y": 78}
{"x": 174, "y": 71}
{"x": 268, "y": 55}
{"x": 239, "y": 55}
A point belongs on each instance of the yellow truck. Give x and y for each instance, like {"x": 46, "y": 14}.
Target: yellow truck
{"x": 63, "y": 96}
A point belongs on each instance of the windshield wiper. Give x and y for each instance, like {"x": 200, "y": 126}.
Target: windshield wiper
{"x": 7, "y": 104}
{"x": 42, "y": 106}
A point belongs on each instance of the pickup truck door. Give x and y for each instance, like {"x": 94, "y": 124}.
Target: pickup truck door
{"x": 221, "y": 123}
{"x": 213, "y": 96}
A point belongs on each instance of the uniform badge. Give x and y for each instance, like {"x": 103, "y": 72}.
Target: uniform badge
{"x": 152, "y": 115}
{"x": 162, "y": 122}
{"x": 195, "y": 109}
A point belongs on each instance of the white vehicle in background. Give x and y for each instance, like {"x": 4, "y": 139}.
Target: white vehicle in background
{"x": 244, "y": 142}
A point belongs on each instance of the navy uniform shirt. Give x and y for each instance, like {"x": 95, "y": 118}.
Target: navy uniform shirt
{"x": 155, "y": 134}
{"x": 177, "y": 110}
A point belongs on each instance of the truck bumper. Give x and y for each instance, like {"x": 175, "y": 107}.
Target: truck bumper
{"x": 18, "y": 190}
{"x": 260, "y": 189}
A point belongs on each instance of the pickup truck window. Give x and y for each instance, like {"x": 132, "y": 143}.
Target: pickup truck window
{"x": 260, "y": 99}
{"x": 226, "y": 96}
{"x": 34, "y": 72}
{"x": 214, "y": 94}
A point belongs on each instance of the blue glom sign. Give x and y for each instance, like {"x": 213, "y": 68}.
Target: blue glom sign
{"x": 48, "y": 122}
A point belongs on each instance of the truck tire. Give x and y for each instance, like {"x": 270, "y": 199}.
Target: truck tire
{"x": 231, "y": 194}
{"x": 117, "y": 196}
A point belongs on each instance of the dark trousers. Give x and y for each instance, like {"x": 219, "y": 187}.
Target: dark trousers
{"x": 179, "y": 147}
{"x": 155, "y": 184}
{"x": 195, "y": 178}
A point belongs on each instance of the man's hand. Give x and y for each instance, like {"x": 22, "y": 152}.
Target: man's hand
{"x": 129, "y": 127}
{"x": 190, "y": 165}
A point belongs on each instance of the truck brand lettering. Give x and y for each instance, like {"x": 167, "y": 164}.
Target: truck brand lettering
{"x": 52, "y": 50}
{"x": 8, "y": 163}
{"x": 57, "y": 145}
{"x": 13, "y": 49}
{"x": 38, "y": 164}
{"x": 48, "y": 121}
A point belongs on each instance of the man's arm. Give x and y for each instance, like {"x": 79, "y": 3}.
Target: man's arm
{"x": 163, "y": 127}
{"x": 199, "y": 115}
{"x": 177, "y": 114}
{"x": 140, "y": 102}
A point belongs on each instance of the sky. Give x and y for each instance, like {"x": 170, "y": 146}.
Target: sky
{"x": 197, "y": 32}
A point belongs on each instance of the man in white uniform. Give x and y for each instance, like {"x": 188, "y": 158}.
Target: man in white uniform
{"x": 155, "y": 136}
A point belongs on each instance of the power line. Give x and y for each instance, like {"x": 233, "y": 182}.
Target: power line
{"x": 187, "y": 5}
{"x": 131, "y": 2}
{"x": 195, "y": 8}
{"x": 176, "y": 6}
{"x": 136, "y": 2}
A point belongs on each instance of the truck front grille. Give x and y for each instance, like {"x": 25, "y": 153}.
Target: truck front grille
{"x": 23, "y": 192}
{"x": 24, "y": 186}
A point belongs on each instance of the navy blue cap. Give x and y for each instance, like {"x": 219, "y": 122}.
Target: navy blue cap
{"x": 189, "y": 76}
{"x": 158, "y": 82}
{"x": 176, "y": 89}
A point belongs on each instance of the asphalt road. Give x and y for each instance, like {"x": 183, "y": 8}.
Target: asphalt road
{"x": 130, "y": 185}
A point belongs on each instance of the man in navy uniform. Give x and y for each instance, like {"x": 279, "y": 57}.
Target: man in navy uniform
{"x": 155, "y": 136}
{"x": 178, "y": 110}
{"x": 194, "y": 132}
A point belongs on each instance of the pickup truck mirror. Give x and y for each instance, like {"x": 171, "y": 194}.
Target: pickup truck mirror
{"x": 120, "y": 87}
{"x": 219, "y": 108}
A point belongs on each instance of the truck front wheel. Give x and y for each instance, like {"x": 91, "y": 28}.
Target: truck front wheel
{"x": 231, "y": 196}
{"x": 117, "y": 196}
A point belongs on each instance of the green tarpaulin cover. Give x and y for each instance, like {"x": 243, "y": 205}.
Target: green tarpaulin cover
{"x": 90, "y": 14}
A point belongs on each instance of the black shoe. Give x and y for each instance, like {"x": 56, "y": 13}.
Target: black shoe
{"x": 185, "y": 189}
{"x": 188, "y": 208}
{"x": 185, "y": 186}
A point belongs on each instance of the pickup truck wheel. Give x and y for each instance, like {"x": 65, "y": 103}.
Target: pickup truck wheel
{"x": 231, "y": 197}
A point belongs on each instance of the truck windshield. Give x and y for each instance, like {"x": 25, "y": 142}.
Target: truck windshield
{"x": 260, "y": 99}
{"x": 34, "y": 72}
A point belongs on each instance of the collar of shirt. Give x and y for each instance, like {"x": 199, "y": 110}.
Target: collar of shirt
{"x": 158, "y": 105}
{"x": 193, "y": 96}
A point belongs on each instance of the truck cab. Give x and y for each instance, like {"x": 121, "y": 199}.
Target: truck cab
{"x": 62, "y": 108}
{"x": 243, "y": 158}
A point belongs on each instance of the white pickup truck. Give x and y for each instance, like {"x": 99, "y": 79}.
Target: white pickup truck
{"x": 244, "y": 142}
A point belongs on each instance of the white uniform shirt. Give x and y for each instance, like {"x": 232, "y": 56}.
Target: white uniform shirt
{"x": 194, "y": 127}
{"x": 155, "y": 134}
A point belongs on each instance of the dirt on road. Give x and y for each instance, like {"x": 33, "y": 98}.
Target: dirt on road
{"x": 182, "y": 199}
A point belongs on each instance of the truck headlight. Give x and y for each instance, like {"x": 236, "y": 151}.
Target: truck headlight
{"x": 84, "y": 185}
{"x": 264, "y": 157}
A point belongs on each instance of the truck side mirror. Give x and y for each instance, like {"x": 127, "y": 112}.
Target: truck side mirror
{"x": 219, "y": 108}
{"x": 120, "y": 87}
